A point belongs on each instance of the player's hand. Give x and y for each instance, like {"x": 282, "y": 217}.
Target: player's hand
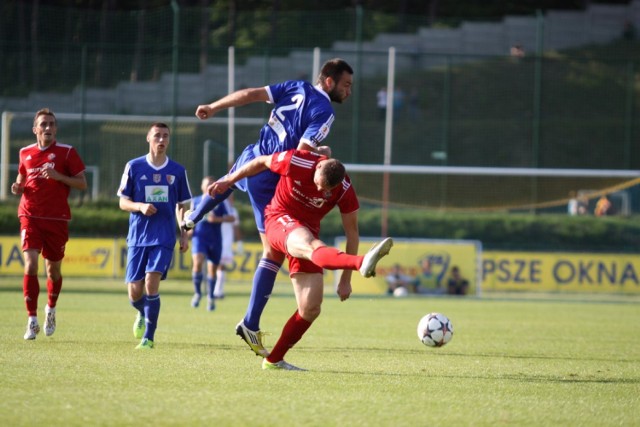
{"x": 50, "y": 173}
{"x": 147, "y": 209}
{"x": 324, "y": 150}
{"x": 184, "y": 241}
{"x": 218, "y": 187}
{"x": 204, "y": 112}
{"x": 344, "y": 289}
{"x": 17, "y": 189}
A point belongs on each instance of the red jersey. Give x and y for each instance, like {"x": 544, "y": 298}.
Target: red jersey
{"x": 47, "y": 198}
{"x": 297, "y": 196}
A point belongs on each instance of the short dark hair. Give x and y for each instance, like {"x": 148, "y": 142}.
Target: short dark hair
{"x": 159, "y": 125}
{"x": 333, "y": 172}
{"x": 44, "y": 112}
{"x": 334, "y": 68}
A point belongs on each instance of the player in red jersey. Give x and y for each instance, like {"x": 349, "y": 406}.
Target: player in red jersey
{"x": 310, "y": 186}
{"x": 46, "y": 173}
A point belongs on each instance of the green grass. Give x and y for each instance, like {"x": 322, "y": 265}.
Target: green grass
{"x": 559, "y": 360}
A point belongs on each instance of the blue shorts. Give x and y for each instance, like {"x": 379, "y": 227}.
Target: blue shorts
{"x": 211, "y": 248}
{"x": 260, "y": 187}
{"x": 147, "y": 259}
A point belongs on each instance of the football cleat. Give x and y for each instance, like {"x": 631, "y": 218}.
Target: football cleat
{"x": 195, "y": 301}
{"x": 281, "y": 365}
{"x": 253, "y": 339}
{"x": 50, "y": 320}
{"x": 138, "y": 326}
{"x": 145, "y": 344}
{"x": 33, "y": 329}
{"x": 211, "y": 304}
{"x": 368, "y": 267}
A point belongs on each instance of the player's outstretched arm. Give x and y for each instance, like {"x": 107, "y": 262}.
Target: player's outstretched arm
{"x": 254, "y": 167}
{"x": 235, "y": 99}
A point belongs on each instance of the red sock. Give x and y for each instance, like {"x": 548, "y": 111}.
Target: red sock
{"x": 53, "y": 291}
{"x": 293, "y": 330}
{"x": 31, "y": 291}
{"x": 334, "y": 259}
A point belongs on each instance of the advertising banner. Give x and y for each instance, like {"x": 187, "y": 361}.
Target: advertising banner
{"x": 573, "y": 272}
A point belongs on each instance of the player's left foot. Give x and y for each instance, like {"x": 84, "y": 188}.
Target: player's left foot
{"x": 195, "y": 301}
{"x": 368, "y": 267}
{"x": 145, "y": 344}
{"x": 50, "y": 320}
{"x": 138, "y": 326}
{"x": 281, "y": 365}
{"x": 252, "y": 338}
{"x": 187, "y": 222}
{"x": 33, "y": 329}
{"x": 211, "y": 304}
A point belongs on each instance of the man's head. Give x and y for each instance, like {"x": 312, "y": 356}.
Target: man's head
{"x": 329, "y": 174}
{"x": 158, "y": 138}
{"x": 336, "y": 78}
{"x": 45, "y": 126}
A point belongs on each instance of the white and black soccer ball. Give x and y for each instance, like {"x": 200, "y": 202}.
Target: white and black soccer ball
{"x": 435, "y": 330}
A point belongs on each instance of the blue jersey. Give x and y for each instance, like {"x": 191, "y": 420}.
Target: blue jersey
{"x": 209, "y": 231}
{"x": 164, "y": 187}
{"x": 301, "y": 112}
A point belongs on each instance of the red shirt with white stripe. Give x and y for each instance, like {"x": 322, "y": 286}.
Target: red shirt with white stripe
{"x": 43, "y": 197}
{"x": 297, "y": 196}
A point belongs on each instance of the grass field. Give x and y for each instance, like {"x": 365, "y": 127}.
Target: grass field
{"x": 522, "y": 361}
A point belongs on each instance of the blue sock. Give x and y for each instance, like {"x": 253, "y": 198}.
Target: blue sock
{"x": 263, "y": 281}
{"x": 211, "y": 286}
{"x": 197, "y": 281}
{"x": 207, "y": 204}
{"x": 139, "y": 305}
{"x": 151, "y": 312}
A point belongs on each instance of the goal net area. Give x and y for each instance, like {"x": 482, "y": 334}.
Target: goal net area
{"x": 488, "y": 189}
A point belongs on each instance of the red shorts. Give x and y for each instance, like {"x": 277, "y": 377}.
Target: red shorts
{"x": 47, "y": 236}
{"x": 277, "y": 230}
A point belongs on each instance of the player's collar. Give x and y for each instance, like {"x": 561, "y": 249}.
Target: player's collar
{"x": 319, "y": 88}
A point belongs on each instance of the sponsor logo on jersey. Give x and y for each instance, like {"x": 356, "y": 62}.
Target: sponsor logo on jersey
{"x": 156, "y": 194}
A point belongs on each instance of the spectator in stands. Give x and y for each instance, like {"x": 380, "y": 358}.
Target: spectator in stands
{"x": 629, "y": 31}
{"x": 457, "y": 285}
{"x": 381, "y": 98}
{"x": 397, "y": 279}
{"x": 604, "y": 206}
{"x": 517, "y": 51}
{"x": 427, "y": 281}
{"x": 572, "y": 206}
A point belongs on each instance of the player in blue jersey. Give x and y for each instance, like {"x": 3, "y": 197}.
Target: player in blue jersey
{"x": 301, "y": 118}
{"x": 156, "y": 191}
{"x": 206, "y": 243}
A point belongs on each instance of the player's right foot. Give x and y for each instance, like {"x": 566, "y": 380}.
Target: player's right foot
{"x": 138, "y": 326}
{"x": 252, "y": 338}
{"x": 281, "y": 365}
{"x": 145, "y": 344}
{"x": 187, "y": 222}
{"x": 33, "y": 329}
{"x": 50, "y": 320}
{"x": 368, "y": 267}
{"x": 195, "y": 301}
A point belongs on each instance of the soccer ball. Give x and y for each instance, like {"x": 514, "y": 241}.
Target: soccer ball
{"x": 400, "y": 292}
{"x": 435, "y": 330}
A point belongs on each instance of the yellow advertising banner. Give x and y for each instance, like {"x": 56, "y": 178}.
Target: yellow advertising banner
{"x": 573, "y": 272}
{"x": 427, "y": 261}
{"x": 107, "y": 258}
